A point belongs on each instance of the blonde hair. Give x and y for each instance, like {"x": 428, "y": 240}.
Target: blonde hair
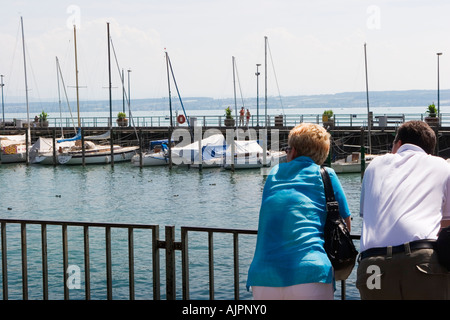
{"x": 310, "y": 140}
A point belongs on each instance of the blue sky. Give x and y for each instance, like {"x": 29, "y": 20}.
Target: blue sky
{"x": 317, "y": 47}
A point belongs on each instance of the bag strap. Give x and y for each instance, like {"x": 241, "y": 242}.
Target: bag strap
{"x": 332, "y": 204}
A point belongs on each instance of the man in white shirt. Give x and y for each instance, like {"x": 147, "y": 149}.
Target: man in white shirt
{"x": 405, "y": 200}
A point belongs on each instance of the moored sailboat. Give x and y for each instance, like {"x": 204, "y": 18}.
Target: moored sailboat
{"x": 14, "y": 148}
{"x": 71, "y": 151}
{"x": 156, "y": 156}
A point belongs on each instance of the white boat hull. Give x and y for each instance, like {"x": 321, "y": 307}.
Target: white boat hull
{"x": 211, "y": 163}
{"x": 246, "y": 162}
{"x": 252, "y": 162}
{"x": 150, "y": 159}
{"x": 352, "y": 164}
{"x": 346, "y": 167}
{"x": 13, "y": 154}
{"x": 43, "y": 159}
{"x": 120, "y": 154}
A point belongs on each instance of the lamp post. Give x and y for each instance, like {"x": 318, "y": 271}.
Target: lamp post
{"x": 129, "y": 99}
{"x": 257, "y": 93}
{"x": 129, "y": 70}
{"x": 438, "y": 97}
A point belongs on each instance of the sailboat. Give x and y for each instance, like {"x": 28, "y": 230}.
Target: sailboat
{"x": 44, "y": 150}
{"x": 352, "y": 163}
{"x": 209, "y": 152}
{"x": 156, "y": 156}
{"x": 14, "y": 148}
{"x": 249, "y": 154}
{"x": 70, "y": 151}
{"x": 160, "y": 151}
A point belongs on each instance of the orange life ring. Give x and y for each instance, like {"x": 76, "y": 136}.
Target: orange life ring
{"x": 181, "y": 119}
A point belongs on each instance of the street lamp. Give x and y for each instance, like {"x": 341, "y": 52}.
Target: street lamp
{"x": 129, "y": 99}
{"x": 257, "y": 94}
{"x": 438, "y": 98}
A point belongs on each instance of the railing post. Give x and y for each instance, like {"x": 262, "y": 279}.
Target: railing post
{"x": 4, "y": 262}
{"x": 156, "y": 265}
{"x": 87, "y": 268}
{"x": 23, "y": 231}
{"x": 184, "y": 263}
{"x": 65, "y": 261}
{"x": 44, "y": 261}
{"x": 236, "y": 265}
{"x": 170, "y": 263}
{"x": 211, "y": 264}
{"x": 131, "y": 261}
{"x": 108, "y": 262}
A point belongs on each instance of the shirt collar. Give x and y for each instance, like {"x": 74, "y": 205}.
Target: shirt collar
{"x": 303, "y": 158}
{"x": 410, "y": 147}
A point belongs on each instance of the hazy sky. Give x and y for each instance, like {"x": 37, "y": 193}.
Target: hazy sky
{"x": 316, "y": 46}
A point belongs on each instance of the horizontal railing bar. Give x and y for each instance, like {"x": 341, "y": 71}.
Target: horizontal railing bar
{"x": 82, "y": 224}
{"x": 344, "y": 119}
{"x": 220, "y": 230}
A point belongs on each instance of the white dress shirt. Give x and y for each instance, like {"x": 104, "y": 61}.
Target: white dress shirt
{"x": 404, "y": 197}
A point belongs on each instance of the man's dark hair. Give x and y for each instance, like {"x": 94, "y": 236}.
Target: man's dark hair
{"x": 418, "y": 133}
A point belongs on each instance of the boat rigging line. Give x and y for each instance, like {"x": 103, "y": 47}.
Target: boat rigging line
{"x": 123, "y": 89}
{"x": 59, "y": 74}
{"x": 176, "y": 87}
{"x": 274, "y": 73}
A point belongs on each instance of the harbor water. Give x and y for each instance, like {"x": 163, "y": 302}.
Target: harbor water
{"x": 126, "y": 194}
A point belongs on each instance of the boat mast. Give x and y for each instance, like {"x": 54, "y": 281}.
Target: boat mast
{"x": 109, "y": 73}
{"x": 367, "y": 98}
{"x": 234, "y": 86}
{"x": 76, "y": 74}
{"x": 26, "y": 90}
{"x": 170, "y": 109}
{"x": 59, "y": 97}
{"x": 265, "y": 77}
{"x": 170, "y": 94}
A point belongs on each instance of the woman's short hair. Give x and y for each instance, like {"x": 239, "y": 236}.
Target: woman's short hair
{"x": 310, "y": 140}
{"x": 418, "y": 133}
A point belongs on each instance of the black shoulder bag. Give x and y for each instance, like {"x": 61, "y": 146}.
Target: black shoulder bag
{"x": 338, "y": 244}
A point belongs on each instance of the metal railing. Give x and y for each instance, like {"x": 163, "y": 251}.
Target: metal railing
{"x": 287, "y": 120}
{"x": 169, "y": 244}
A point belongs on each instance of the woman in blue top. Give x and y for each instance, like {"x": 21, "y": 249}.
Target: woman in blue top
{"x": 290, "y": 261}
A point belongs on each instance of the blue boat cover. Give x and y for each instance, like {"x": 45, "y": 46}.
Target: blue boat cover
{"x": 76, "y": 137}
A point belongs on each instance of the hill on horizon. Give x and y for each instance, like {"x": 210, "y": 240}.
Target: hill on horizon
{"x": 406, "y": 98}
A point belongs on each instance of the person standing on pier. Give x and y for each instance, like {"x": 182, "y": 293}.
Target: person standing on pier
{"x": 247, "y": 116}
{"x": 241, "y": 116}
{"x": 290, "y": 261}
{"x": 405, "y": 200}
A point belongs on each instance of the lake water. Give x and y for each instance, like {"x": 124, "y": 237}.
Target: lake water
{"x": 127, "y": 194}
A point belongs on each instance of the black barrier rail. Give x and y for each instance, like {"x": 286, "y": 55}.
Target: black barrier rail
{"x": 168, "y": 244}
{"x": 285, "y": 120}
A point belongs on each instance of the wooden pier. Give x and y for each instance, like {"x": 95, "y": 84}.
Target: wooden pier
{"x": 345, "y": 139}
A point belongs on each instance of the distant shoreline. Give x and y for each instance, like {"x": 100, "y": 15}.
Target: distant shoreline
{"x": 405, "y": 98}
